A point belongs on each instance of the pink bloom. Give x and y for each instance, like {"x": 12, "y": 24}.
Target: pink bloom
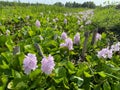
{"x": 65, "y": 21}
{"x": 37, "y": 23}
{"x": 29, "y": 63}
{"x": 64, "y": 35}
{"x": 109, "y": 53}
{"x": 98, "y": 36}
{"x": 62, "y": 45}
{"x": 47, "y": 64}
{"x": 69, "y": 43}
{"x": 77, "y": 38}
{"x": 105, "y": 53}
{"x": 116, "y": 47}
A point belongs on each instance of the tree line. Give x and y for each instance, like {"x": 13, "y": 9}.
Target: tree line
{"x": 88, "y": 4}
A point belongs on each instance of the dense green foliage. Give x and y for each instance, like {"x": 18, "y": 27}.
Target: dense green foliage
{"x": 72, "y": 71}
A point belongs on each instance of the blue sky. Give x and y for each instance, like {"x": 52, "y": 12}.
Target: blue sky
{"x": 97, "y": 2}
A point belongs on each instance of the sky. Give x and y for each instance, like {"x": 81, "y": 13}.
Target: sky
{"x": 97, "y": 2}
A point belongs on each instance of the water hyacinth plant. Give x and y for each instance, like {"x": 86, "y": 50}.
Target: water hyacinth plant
{"x": 63, "y": 36}
{"x": 29, "y": 63}
{"x": 77, "y": 38}
{"x": 65, "y": 21}
{"x": 71, "y": 59}
{"x": 98, "y": 36}
{"x": 37, "y": 23}
{"x": 47, "y": 64}
{"x": 68, "y": 43}
{"x": 116, "y": 47}
{"x": 105, "y": 53}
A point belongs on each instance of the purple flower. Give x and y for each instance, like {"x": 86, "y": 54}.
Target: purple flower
{"x": 105, "y": 53}
{"x": 68, "y": 43}
{"x": 37, "y": 23}
{"x": 77, "y": 38}
{"x": 98, "y": 36}
{"x": 47, "y": 64}
{"x": 65, "y": 21}
{"x": 109, "y": 54}
{"x": 29, "y": 63}
{"x": 62, "y": 45}
{"x": 116, "y": 47}
{"x": 64, "y": 35}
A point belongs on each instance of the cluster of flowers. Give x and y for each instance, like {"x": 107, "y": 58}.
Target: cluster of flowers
{"x": 37, "y": 23}
{"x": 98, "y": 36}
{"x": 86, "y": 15}
{"x": 108, "y": 52}
{"x": 47, "y": 63}
{"x": 30, "y": 63}
{"x": 68, "y": 41}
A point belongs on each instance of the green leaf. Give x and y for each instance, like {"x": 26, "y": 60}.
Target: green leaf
{"x": 116, "y": 86}
{"x": 102, "y": 74}
{"x": 110, "y": 75}
{"x": 2, "y": 28}
{"x": 78, "y": 80}
{"x": 103, "y": 35}
{"x": 34, "y": 74}
{"x": 4, "y": 66}
{"x": 60, "y": 72}
{"x": 87, "y": 74}
{"x": 10, "y": 85}
{"x": 51, "y": 88}
{"x": 9, "y": 43}
{"x": 106, "y": 86}
{"x": 81, "y": 68}
{"x": 57, "y": 79}
{"x": 7, "y": 56}
{"x": 21, "y": 57}
{"x": 21, "y": 85}
{"x": 65, "y": 83}
{"x": 31, "y": 33}
{"x": 29, "y": 48}
{"x": 70, "y": 66}
{"x": 3, "y": 39}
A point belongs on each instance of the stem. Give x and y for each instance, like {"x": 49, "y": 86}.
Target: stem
{"x": 37, "y": 46}
{"x": 85, "y": 45}
{"x": 16, "y": 50}
{"x": 94, "y": 36}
